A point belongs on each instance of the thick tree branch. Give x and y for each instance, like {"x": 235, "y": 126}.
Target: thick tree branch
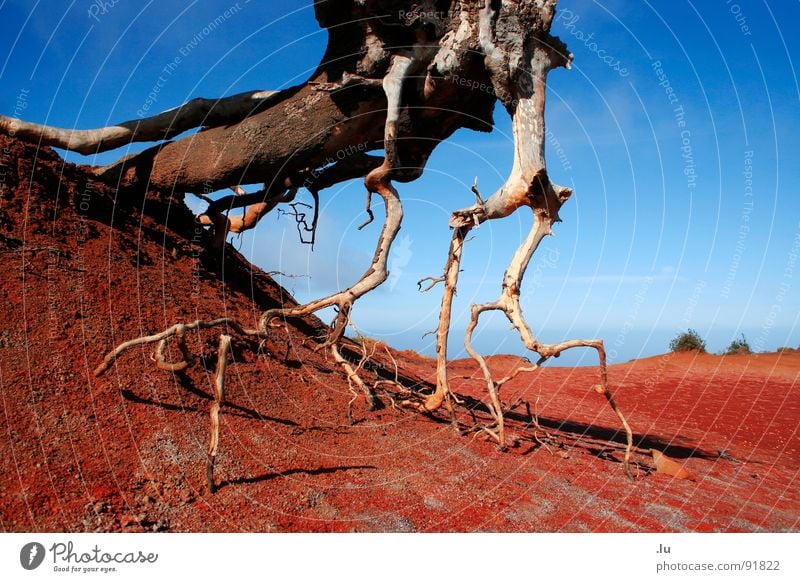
{"x": 195, "y": 113}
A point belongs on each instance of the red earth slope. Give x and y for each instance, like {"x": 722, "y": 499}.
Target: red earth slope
{"x": 125, "y": 452}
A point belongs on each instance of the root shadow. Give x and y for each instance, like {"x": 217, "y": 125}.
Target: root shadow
{"x": 586, "y": 434}
{"x": 234, "y": 409}
{"x": 289, "y": 472}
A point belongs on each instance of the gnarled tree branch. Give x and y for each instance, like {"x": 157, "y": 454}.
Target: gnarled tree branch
{"x": 166, "y": 125}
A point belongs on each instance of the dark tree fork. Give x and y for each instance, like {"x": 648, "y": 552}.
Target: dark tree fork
{"x": 398, "y": 76}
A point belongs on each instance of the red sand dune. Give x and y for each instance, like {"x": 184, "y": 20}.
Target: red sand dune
{"x": 126, "y": 452}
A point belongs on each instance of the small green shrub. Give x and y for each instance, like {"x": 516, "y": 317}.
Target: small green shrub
{"x": 688, "y": 341}
{"x": 739, "y": 346}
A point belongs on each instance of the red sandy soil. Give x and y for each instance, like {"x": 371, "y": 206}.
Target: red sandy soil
{"x": 126, "y": 452}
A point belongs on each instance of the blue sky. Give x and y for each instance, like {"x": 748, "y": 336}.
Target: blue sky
{"x": 677, "y": 127}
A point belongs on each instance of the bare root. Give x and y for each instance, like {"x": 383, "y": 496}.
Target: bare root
{"x": 178, "y": 330}
{"x": 255, "y": 207}
{"x": 377, "y": 181}
{"x": 372, "y": 278}
{"x": 219, "y": 398}
{"x": 537, "y": 427}
{"x": 354, "y": 381}
{"x": 442, "y": 394}
{"x": 509, "y": 304}
{"x": 527, "y": 185}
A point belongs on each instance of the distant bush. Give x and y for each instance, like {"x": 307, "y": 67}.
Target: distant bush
{"x": 688, "y": 341}
{"x": 739, "y": 346}
{"x": 784, "y": 349}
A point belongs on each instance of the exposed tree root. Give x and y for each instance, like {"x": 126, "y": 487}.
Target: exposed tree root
{"x": 527, "y": 185}
{"x": 354, "y": 381}
{"x": 368, "y": 210}
{"x": 374, "y": 276}
{"x": 509, "y": 304}
{"x": 432, "y": 282}
{"x": 377, "y": 181}
{"x": 259, "y": 204}
{"x": 537, "y": 428}
{"x": 178, "y": 331}
{"x": 442, "y": 394}
{"x": 219, "y": 398}
{"x": 393, "y": 383}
